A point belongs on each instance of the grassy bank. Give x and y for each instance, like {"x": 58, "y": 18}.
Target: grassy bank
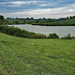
{"x": 21, "y": 56}
{"x": 10, "y": 30}
{"x": 54, "y": 24}
{"x": 69, "y": 22}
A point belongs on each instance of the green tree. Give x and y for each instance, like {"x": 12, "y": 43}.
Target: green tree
{"x": 53, "y": 36}
{"x": 71, "y": 17}
{"x": 2, "y": 17}
{"x": 32, "y": 18}
{"x": 16, "y": 22}
{"x": 0, "y": 22}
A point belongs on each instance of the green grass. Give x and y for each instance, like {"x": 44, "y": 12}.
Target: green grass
{"x": 21, "y": 56}
{"x": 13, "y": 20}
{"x": 69, "y": 21}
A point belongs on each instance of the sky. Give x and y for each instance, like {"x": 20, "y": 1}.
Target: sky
{"x": 37, "y": 8}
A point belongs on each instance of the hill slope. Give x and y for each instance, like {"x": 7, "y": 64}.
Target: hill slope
{"x": 20, "y": 56}
{"x": 68, "y": 21}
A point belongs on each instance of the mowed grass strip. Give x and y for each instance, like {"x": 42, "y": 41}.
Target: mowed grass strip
{"x": 21, "y": 56}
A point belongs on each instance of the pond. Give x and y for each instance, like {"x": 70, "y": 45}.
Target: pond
{"x": 60, "y": 30}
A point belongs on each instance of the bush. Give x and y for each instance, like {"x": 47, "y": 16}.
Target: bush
{"x": 53, "y": 36}
{"x": 67, "y": 37}
{"x": 18, "y": 32}
{"x": 41, "y": 36}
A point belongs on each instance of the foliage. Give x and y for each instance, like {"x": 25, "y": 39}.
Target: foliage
{"x": 44, "y": 21}
{"x": 21, "y": 56}
{"x": 10, "y": 30}
{"x": 0, "y": 22}
{"x": 54, "y": 24}
{"x": 21, "y": 33}
{"x": 16, "y": 22}
{"x": 53, "y": 36}
{"x": 39, "y": 36}
{"x": 68, "y": 37}
{"x": 1, "y": 17}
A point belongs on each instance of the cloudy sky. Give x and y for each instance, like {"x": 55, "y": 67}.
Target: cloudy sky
{"x": 37, "y": 8}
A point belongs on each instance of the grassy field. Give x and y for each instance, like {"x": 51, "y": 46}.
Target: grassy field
{"x": 21, "y": 56}
{"x": 68, "y": 21}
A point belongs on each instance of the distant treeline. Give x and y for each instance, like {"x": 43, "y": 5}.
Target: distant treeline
{"x": 31, "y": 20}
{"x": 54, "y": 24}
{"x": 10, "y": 30}
{"x": 41, "y": 21}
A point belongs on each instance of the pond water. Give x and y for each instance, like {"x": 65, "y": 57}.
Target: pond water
{"x": 60, "y": 30}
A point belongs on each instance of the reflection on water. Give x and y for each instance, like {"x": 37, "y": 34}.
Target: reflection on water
{"x": 60, "y": 30}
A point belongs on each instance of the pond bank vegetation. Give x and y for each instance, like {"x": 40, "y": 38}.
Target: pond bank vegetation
{"x": 10, "y": 30}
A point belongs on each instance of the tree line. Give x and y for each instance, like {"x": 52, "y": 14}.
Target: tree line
{"x": 32, "y": 20}
{"x": 41, "y": 21}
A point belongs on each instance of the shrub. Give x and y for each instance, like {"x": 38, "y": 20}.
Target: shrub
{"x": 53, "y": 36}
{"x": 41, "y": 36}
{"x": 21, "y": 33}
{"x": 67, "y": 37}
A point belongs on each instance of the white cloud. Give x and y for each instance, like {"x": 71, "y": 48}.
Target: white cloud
{"x": 23, "y": 2}
{"x": 50, "y": 4}
{"x": 18, "y": 3}
{"x": 54, "y": 12}
{"x": 39, "y": 13}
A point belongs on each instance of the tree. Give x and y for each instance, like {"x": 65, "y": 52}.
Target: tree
{"x": 0, "y": 22}
{"x": 44, "y": 18}
{"x": 27, "y": 18}
{"x": 37, "y": 21}
{"x": 16, "y": 22}
{"x": 71, "y": 17}
{"x": 2, "y": 17}
{"x": 32, "y": 18}
{"x": 53, "y": 36}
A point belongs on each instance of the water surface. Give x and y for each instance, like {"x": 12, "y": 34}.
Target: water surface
{"x": 60, "y": 30}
